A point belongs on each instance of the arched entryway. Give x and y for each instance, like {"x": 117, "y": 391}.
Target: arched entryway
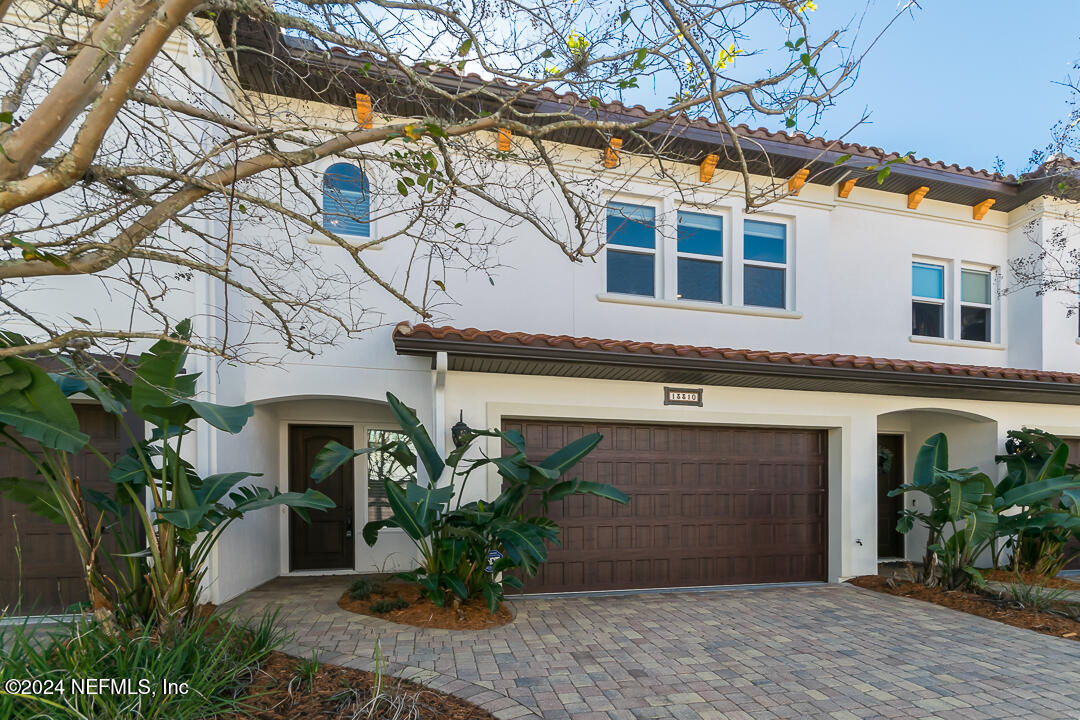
{"x": 973, "y": 442}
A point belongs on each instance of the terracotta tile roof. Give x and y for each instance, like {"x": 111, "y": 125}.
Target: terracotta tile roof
{"x": 630, "y": 347}
{"x": 596, "y": 105}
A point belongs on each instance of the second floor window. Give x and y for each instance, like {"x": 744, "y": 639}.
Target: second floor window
{"x": 975, "y": 305}
{"x": 631, "y": 252}
{"x": 701, "y": 251}
{"x": 927, "y": 299}
{"x": 346, "y": 200}
{"x": 764, "y": 264}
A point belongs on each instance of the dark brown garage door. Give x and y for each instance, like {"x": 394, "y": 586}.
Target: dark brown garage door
{"x": 50, "y": 579}
{"x": 708, "y": 506}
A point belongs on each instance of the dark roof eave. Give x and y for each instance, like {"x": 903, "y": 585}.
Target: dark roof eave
{"x": 722, "y": 372}
{"x": 782, "y": 149}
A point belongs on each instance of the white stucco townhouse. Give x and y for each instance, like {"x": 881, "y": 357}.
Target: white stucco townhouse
{"x": 869, "y": 320}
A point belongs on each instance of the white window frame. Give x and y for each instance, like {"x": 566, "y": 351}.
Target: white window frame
{"x": 991, "y": 306}
{"x": 787, "y": 266}
{"x": 722, "y": 260}
{"x": 947, "y": 319}
{"x": 658, "y": 258}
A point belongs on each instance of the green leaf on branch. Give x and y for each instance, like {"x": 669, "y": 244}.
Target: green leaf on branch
{"x": 332, "y": 456}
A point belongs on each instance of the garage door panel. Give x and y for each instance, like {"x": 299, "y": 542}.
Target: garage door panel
{"x": 39, "y": 565}
{"x": 708, "y": 505}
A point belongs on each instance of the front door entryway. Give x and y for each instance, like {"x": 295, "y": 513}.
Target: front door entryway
{"x": 890, "y": 475}
{"x": 327, "y": 542}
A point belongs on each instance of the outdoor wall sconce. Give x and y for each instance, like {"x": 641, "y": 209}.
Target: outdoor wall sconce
{"x": 460, "y": 432}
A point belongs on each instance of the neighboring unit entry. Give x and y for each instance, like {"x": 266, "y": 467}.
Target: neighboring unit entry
{"x": 682, "y": 396}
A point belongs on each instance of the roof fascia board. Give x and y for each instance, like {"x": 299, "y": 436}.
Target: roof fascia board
{"x": 426, "y": 346}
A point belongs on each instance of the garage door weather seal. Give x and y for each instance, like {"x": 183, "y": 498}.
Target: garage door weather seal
{"x": 664, "y": 591}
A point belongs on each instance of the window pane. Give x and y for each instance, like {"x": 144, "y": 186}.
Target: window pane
{"x": 701, "y": 234}
{"x": 766, "y": 242}
{"x": 346, "y": 206}
{"x": 928, "y": 281}
{"x": 763, "y": 286}
{"x": 699, "y": 280}
{"x": 974, "y": 323}
{"x": 631, "y": 225}
{"x": 975, "y": 286}
{"x": 382, "y": 465}
{"x": 927, "y": 319}
{"x": 630, "y": 273}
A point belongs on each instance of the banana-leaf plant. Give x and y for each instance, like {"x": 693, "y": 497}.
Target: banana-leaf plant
{"x": 1040, "y": 531}
{"x": 969, "y": 513}
{"x": 454, "y": 539}
{"x": 181, "y": 515}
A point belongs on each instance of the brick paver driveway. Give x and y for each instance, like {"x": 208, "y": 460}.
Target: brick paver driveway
{"x": 795, "y": 652}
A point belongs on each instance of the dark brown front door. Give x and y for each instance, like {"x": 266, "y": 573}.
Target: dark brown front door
{"x": 326, "y": 542}
{"x": 709, "y": 505}
{"x": 890, "y": 475}
{"x": 38, "y": 560}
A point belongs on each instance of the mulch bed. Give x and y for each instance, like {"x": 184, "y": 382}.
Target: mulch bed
{"x": 421, "y": 612}
{"x": 1030, "y": 578}
{"x": 281, "y": 691}
{"x": 975, "y": 604}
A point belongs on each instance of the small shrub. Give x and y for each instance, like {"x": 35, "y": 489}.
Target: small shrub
{"x": 380, "y": 607}
{"x": 306, "y": 670}
{"x": 1037, "y": 597}
{"x": 363, "y": 588}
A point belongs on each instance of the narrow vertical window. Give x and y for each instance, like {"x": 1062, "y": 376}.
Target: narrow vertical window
{"x": 701, "y": 252}
{"x": 975, "y": 305}
{"x": 927, "y": 299}
{"x": 764, "y": 264}
{"x": 631, "y": 252}
{"x": 382, "y": 467}
{"x": 346, "y": 201}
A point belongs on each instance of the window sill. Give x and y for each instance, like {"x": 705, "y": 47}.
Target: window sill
{"x": 699, "y": 306}
{"x": 352, "y": 239}
{"x": 955, "y": 343}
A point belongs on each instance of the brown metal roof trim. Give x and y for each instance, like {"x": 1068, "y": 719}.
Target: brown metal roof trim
{"x": 728, "y": 366}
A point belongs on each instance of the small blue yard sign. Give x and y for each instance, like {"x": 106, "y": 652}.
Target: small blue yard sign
{"x": 493, "y": 555}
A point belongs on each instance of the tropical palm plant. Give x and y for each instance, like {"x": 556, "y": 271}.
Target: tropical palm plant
{"x": 1040, "y": 532}
{"x": 468, "y": 550}
{"x": 969, "y": 514}
{"x": 180, "y": 514}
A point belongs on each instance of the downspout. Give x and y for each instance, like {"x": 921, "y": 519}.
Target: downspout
{"x": 438, "y": 404}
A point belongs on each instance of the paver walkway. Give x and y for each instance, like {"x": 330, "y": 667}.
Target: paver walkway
{"x": 799, "y": 652}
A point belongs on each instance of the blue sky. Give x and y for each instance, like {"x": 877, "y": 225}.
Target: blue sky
{"x": 961, "y": 81}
